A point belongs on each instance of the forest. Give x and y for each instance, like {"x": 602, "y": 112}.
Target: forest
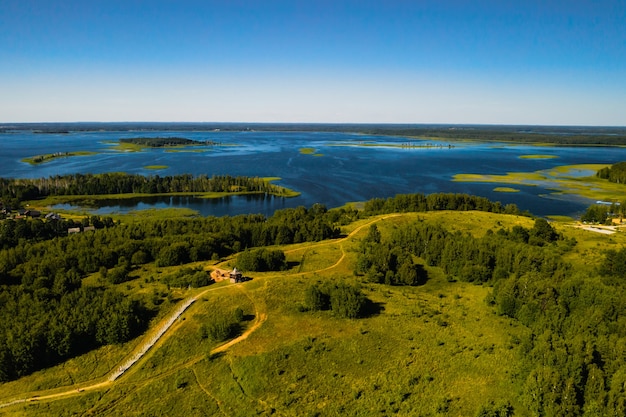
{"x": 160, "y": 142}
{"x": 615, "y": 173}
{"x": 14, "y": 191}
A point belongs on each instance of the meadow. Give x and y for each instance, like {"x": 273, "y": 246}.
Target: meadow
{"x": 434, "y": 349}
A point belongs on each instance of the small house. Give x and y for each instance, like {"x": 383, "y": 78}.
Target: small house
{"x": 236, "y": 276}
{"x": 33, "y": 213}
{"x": 53, "y": 216}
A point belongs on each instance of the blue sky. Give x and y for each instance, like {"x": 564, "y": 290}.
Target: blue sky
{"x": 475, "y": 61}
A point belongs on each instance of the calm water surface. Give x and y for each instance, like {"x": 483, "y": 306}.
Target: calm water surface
{"x": 345, "y": 171}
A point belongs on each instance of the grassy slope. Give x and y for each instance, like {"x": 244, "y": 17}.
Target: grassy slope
{"x": 426, "y": 350}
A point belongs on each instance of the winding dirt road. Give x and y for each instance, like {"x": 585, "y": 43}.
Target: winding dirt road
{"x": 160, "y": 332}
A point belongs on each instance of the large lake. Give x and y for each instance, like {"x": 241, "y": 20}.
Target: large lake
{"x": 345, "y": 169}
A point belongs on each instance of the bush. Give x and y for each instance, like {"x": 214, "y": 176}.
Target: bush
{"x": 347, "y": 301}
{"x": 315, "y": 299}
{"x": 221, "y": 328}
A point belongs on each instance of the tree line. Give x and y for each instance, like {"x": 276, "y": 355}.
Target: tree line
{"x": 14, "y": 191}
{"x": 159, "y": 142}
{"x": 615, "y": 173}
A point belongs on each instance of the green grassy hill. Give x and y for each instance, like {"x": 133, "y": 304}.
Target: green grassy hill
{"x": 429, "y": 350}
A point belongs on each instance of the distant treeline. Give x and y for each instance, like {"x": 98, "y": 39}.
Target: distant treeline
{"x": 567, "y": 135}
{"x": 162, "y": 142}
{"x": 122, "y": 183}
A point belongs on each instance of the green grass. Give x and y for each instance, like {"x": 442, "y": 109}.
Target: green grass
{"x": 429, "y": 348}
{"x": 40, "y": 159}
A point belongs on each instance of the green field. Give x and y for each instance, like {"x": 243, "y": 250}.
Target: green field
{"x": 436, "y": 349}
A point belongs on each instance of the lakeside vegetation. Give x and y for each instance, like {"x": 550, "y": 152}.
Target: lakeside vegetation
{"x": 39, "y": 159}
{"x": 121, "y": 186}
{"x": 172, "y": 144}
{"x": 580, "y": 180}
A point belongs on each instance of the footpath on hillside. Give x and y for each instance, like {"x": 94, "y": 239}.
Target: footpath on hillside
{"x": 162, "y": 328}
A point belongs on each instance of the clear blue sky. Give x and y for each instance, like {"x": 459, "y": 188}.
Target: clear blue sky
{"x": 388, "y": 61}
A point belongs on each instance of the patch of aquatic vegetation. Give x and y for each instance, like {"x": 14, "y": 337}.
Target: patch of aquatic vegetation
{"x": 577, "y": 180}
{"x": 506, "y": 190}
{"x": 405, "y": 145}
{"x": 538, "y": 157}
{"x": 156, "y": 167}
{"x": 310, "y": 151}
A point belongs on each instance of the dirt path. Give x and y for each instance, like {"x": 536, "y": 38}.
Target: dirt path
{"x": 160, "y": 333}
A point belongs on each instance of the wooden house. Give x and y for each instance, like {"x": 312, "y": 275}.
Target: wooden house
{"x": 236, "y": 276}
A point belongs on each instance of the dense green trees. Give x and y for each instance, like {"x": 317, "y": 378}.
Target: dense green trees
{"x": 386, "y": 263}
{"x": 17, "y": 190}
{"x": 595, "y": 214}
{"x": 261, "y": 260}
{"x": 615, "y": 173}
{"x": 39, "y": 327}
{"x": 344, "y": 300}
{"x": 11, "y": 231}
{"x": 403, "y": 203}
{"x": 159, "y": 142}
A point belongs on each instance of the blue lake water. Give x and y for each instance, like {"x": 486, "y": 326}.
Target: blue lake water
{"x": 345, "y": 171}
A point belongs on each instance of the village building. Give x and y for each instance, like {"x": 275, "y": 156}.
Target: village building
{"x": 236, "y": 276}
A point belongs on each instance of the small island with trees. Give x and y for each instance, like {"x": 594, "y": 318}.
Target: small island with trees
{"x": 38, "y": 159}
{"x": 163, "y": 142}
